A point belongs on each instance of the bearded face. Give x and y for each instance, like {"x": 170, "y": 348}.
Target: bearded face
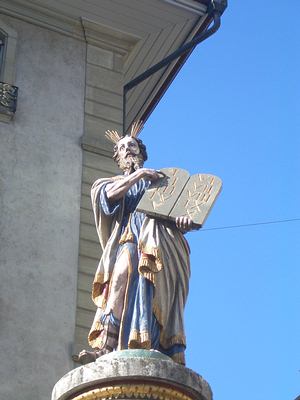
{"x": 131, "y": 163}
{"x": 129, "y": 157}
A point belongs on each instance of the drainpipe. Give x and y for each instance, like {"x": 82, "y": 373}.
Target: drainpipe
{"x": 214, "y": 11}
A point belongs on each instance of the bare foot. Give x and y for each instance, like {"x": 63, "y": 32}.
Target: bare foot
{"x": 86, "y": 357}
{"x": 108, "y": 342}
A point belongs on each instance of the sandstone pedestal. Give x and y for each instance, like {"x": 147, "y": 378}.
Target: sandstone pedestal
{"x": 132, "y": 374}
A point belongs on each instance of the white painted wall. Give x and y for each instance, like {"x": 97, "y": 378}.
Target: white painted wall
{"x": 40, "y": 188}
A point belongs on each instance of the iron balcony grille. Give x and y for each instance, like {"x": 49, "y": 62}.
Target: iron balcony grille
{"x": 8, "y": 98}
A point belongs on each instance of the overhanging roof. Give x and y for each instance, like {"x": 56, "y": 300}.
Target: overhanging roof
{"x": 153, "y": 29}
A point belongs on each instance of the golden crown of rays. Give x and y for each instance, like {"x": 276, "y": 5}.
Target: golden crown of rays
{"x": 114, "y": 136}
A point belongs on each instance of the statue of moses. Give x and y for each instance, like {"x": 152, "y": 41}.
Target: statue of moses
{"x": 141, "y": 283}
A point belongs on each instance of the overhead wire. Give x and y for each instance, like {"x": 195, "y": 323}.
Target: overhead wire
{"x": 279, "y": 221}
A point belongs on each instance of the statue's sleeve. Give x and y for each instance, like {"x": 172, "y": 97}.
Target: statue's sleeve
{"x": 107, "y": 216}
{"x": 109, "y": 208}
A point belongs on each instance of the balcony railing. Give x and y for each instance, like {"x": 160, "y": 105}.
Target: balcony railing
{"x": 8, "y": 99}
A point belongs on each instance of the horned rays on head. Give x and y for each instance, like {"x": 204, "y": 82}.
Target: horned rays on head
{"x": 136, "y": 128}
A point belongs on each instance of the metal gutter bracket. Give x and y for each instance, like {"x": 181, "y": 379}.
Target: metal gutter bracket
{"x": 217, "y": 5}
{"x": 214, "y": 11}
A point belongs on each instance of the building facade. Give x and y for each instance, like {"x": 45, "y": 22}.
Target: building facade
{"x": 63, "y": 68}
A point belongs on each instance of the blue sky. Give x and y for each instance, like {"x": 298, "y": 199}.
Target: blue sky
{"x": 233, "y": 111}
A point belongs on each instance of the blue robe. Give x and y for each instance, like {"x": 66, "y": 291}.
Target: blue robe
{"x": 139, "y": 326}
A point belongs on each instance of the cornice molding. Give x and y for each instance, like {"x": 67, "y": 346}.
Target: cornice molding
{"x": 107, "y": 37}
{"x": 83, "y": 29}
{"x": 43, "y": 17}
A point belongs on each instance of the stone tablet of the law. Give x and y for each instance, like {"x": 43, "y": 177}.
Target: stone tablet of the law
{"x": 179, "y": 194}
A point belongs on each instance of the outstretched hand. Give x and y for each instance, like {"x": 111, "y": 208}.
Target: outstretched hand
{"x": 184, "y": 224}
{"x": 149, "y": 173}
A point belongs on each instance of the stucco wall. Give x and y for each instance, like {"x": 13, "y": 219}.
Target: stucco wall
{"x": 40, "y": 186}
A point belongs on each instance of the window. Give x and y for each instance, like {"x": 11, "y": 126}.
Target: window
{"x": 8, "y": 92}
{"x": 2, "y": 52}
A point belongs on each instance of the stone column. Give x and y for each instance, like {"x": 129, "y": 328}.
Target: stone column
{"x": 132, "y": 374}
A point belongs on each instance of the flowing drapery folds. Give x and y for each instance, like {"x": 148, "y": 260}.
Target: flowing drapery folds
{"x": 151, "y": 258}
